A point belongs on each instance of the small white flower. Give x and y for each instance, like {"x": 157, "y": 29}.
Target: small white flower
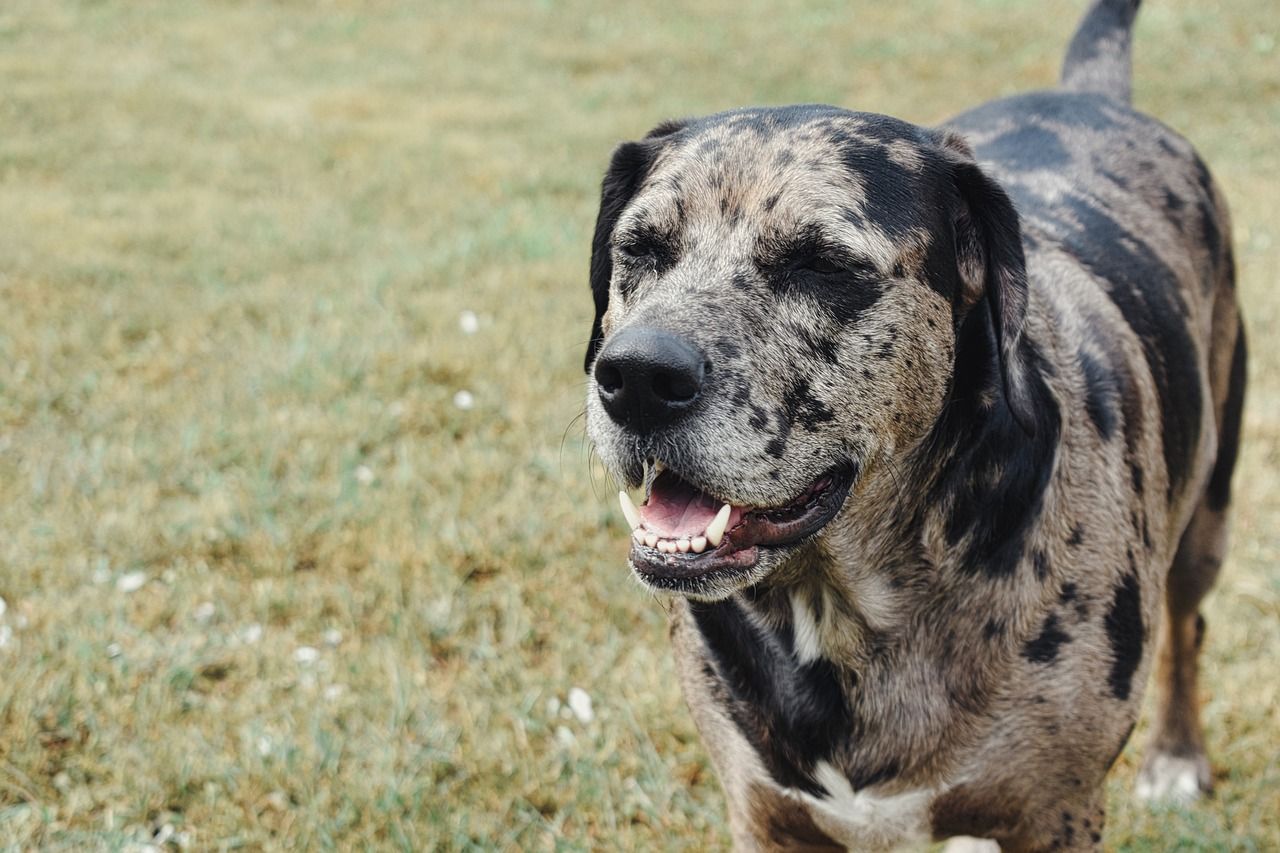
{"x": 3, "y": 606}
{"x": 364, "y": 474}
{"x": 334, "y": 692}
{"x": 468, "y": 322}
{"x": 251, "y": 634}
{"x": 564, "y": 737}
{"x": 113, "y": 650}
{"x": 332, "y": 637}
{"x": 580, "y": 704}
{"x": 204, "y": 611}
{"x": 264, "y": 745}
{"x": 553, "y": 706}
{"x": 6, "y": 635}
{"x": 464, "y": 400}
{"x": 306, "y": 654}
{"x": 131, "y": 582}
{"x": 100, "y": 575}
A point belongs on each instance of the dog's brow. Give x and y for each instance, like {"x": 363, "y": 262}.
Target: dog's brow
{"x": 782, "y": 246}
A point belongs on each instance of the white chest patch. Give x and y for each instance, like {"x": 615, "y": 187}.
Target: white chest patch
{"x": 862, "y": 820}
{"x": 805, "y": 629}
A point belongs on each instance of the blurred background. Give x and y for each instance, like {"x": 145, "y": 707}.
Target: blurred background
{"x": 299, "y": 541}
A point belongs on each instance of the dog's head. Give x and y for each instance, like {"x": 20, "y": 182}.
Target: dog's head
{"x": 780, "y": 295}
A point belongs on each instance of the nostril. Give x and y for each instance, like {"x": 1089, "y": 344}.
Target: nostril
{"x": 676, "y": 387}
{"x": 609, "y": 378}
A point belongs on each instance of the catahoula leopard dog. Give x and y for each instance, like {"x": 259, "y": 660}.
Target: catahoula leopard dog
{"x": 936, "y": 429}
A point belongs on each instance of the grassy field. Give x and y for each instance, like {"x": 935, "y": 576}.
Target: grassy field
{"x": 269, "y": 579}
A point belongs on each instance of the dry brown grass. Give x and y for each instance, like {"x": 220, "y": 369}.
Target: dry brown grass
{"x": 235, "y": 242}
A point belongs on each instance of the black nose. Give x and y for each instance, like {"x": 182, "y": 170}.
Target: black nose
{"x": 647, "y": 378}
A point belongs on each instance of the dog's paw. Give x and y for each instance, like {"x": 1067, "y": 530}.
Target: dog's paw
{"x": 1174, "y": 779}
{"x": 965, "y": 844}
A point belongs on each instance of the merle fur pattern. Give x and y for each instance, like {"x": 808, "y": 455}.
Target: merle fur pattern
{"x": 1020, "y": 328}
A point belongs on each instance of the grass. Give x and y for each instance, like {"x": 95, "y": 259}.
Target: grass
{"x": 235, "y": 243}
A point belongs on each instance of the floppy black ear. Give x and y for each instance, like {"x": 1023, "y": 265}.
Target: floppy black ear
{"x": 628, "y": 167}
{"x": 993, "y": 271}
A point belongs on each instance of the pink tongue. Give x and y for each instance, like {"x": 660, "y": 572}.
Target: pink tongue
{"x": 676, "y": 510}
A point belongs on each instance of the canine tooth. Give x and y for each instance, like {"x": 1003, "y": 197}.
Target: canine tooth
{"x": 629, "y": 510}
{"x": 638, "y": 535}
{"x": 651, "y": 539}
{"x": 682, "y": 545}
{"x": 698, "y": 544}
{"x": 715, "y": 530}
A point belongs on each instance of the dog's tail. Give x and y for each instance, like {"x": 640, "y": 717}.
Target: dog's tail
{"x": 1098, "y": 59}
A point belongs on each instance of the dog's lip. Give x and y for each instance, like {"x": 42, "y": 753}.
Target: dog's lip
{"x": 759, "y": 528}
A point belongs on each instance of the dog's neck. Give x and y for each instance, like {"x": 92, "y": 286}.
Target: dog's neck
{"x": 922, "y": 540}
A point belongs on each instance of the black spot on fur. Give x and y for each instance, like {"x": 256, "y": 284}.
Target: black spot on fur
{"x": 1026, "y": 148}
{"x": 824, "y": 347}
{"x": 891, "y": 191}
{"x": 842, "y": 296}
{"x": 793, "y": 714}
{"x": 1218, "y": 494}
{"x": 772, "y": 201}
{"x": 1040, "y": 563}
{"x": 1077, "y": 535}
{"x": 1126, "y": 635}
{"x": 993, "y": 629}
{"x": 1099, "y": 390}
{"x": 1043, "y": 648}
{"x": 803, "y": 408}
{"x": 1146, "y": 292}
{"x": 776, "y": 447}
{"x": 1119, "y": 180}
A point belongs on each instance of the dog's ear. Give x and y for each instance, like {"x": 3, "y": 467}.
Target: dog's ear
{"x": 992, "y": 269}
{"x": 628, "y": 167}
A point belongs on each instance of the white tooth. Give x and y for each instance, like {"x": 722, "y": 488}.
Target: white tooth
{"x": 629, "y": 510}
{"x": 662, "y": 545}
{"x": 682, "y": 545}
{"x": 651, "y": 539}
{"x": 715, "y": 530}
{"x": 638, "y": 535}
{"x": 699, "y": 544}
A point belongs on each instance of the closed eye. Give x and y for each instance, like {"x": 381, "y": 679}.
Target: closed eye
{"x": 647, "y": 248}
{"x": 820, "y": 264}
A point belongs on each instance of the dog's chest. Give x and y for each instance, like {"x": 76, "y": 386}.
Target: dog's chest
{"x": 866, "y": 820}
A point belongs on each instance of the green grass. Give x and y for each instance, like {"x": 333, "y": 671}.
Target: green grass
{"x": 235, "y": 242}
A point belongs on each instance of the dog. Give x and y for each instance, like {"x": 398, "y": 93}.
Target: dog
{"x": 936, "y": 428}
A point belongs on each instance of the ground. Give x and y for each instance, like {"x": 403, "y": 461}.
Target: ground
{"x": 270, "y": 578}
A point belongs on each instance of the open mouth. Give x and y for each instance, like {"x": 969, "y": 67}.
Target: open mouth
{"x": 683, "y": 534}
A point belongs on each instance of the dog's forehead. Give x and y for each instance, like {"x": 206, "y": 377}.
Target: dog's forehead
{"x": 758, "y": 169}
